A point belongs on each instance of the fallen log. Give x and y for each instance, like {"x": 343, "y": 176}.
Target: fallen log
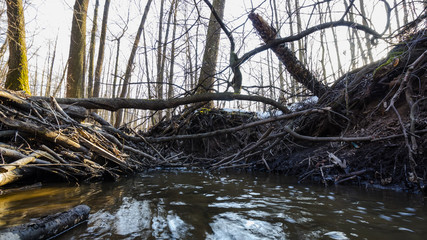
{"x": 47, "y": 226}
{"x": 114, "y": 104}
{"x": 14, "y": 172}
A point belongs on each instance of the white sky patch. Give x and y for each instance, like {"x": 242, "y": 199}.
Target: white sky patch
{"x": 49, "y": 19}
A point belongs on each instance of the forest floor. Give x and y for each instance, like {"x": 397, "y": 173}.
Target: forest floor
{"x": 369, "y": 129}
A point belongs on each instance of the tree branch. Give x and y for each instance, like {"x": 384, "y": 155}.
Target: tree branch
{"x": 305, "y": 33}
{"x": 114, "y": 104}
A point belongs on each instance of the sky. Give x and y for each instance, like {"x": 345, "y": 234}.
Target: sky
{"x": 50, "y": 19}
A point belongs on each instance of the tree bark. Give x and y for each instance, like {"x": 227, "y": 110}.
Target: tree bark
{"x": 49, "y": 78}
{"x": 172, "y": 62}
{"x": 17, "y": 76}
{"x": 98, "y": 70}
{"x": 158, "y": 104}
{"x": 92, "y": 50}
{"x": 207, "y": 72}
{"x": 123, "y": 94}
{"x": 292, "y": 64}
{"x": 77, "y": 50}
{"x": 49, "y": 226}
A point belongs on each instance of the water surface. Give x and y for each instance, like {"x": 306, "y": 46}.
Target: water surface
{"x": 181, "y": 204}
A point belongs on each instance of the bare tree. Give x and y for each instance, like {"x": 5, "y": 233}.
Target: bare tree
{"x": 17, "y": 76}
{"x": 49, "y": 77}
{"x": 98, "y": 70}
{"x": 77, "y": 50}
{"x": 92, "y": 49}
{"x": 210, "y": 55}
{"x": 124, "y": 92}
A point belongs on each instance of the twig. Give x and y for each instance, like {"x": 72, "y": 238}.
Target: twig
{"x": 327, "y": 139}
{"x": 405, "y": 80}
{"x": 234, "y": 129}
{"x": 149, "y": 144}
{"x": 411, "y": 157}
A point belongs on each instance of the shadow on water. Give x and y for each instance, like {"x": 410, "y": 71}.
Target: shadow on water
{"x": 181, "y": 204}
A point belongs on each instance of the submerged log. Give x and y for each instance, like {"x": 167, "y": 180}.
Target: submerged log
{"x": 48, "y": 226}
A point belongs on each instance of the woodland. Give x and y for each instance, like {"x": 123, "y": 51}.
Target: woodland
{"x": 319, "y": 90}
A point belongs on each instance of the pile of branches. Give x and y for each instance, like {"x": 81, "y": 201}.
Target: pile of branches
{"x": 220, "y": 139}
{"x": 41, "y": 135}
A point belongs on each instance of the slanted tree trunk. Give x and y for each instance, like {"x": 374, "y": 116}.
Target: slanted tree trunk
{"x": 128, "y": 73}
{"x": 98, "y": 70}
{"x": 92, "y": 50}
{"x": 292, "y": 64}
{"x": 17, "y": 76}
{"x": 77, "y": 50}
{"x": 207, "y": 72}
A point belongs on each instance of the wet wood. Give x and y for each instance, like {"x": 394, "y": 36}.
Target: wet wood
{"x": 49, "y": 226}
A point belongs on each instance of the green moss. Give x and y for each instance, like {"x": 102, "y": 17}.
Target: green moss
{"x": 391, "y": 57}
{"x": 204, "y": 110}
{"x": 17, "y": 77}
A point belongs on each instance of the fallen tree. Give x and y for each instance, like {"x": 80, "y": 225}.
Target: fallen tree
{"x": 47, "y": 227}
{"x": 114, "y": 104}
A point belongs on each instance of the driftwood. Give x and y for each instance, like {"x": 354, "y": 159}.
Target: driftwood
{"x": 49, "y": 226}
{"x": 46, "y": 136}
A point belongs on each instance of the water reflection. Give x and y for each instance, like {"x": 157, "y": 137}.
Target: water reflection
{"x": 197, "y": 205}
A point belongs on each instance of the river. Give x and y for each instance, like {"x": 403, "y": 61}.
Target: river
{"x": 183, "y": 204}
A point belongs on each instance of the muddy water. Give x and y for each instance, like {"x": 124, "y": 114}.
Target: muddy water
{"x": 196, "y": 205}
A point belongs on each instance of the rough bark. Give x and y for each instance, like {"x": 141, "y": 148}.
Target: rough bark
{"x": 98, "y": 70}
{"x": 17, "y": 76}
{"x": 77, "y": 50}
{"x": 49, "y": 226}
{"x": 207, "y": 72}
{"x": 287, "y": 57}
{"x": 92, "y": 50}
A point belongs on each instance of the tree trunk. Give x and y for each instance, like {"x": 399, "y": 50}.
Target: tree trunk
{"x": 147, "y": 104}
{"x": 92, "y": 50}
{"x": 17, "y": 76}
{"x": 98, "y": 70}
{"x": 49, "y": 78}
{"x": 77, "y": 50}
{"x": 367, "y": 39}
{"x": 160, "y": 62}
{"x": 123, "y": 94}
{"x": 49, "y": 226}
{"x": 292, "y": 81}
{"x": 292, "y": 64}
{"x": 172, "y": 63}
{"x": 207, "y": 72}
{"x": 337, "y": 50}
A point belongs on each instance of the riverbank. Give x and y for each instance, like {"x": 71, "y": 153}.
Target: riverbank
{"x": 369, "y": 129}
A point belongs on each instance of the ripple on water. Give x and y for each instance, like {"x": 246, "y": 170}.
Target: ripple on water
{"x": 132, "y": 216}
{"x": 235, "y": 226}
{"x": 336, "y": 235}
